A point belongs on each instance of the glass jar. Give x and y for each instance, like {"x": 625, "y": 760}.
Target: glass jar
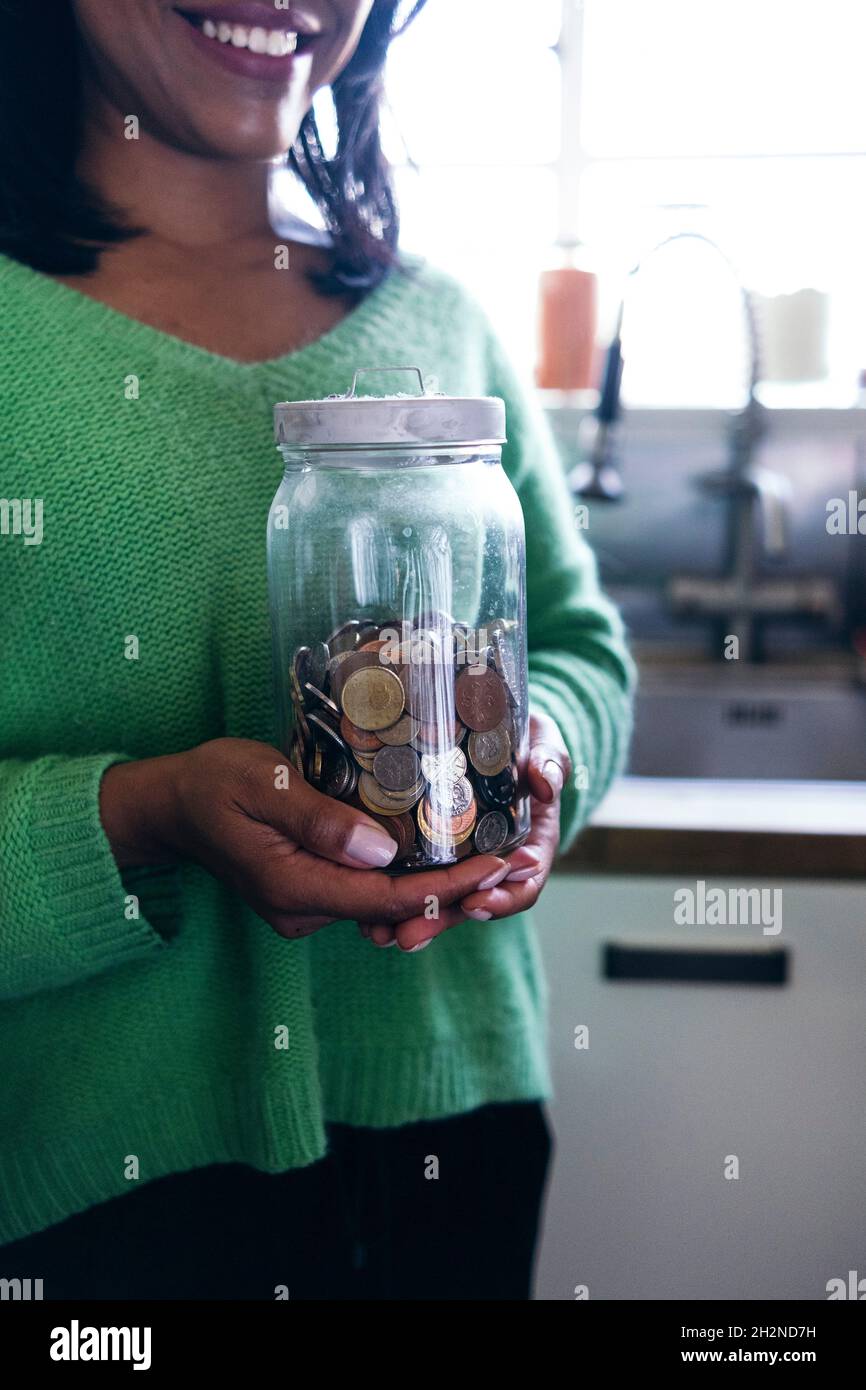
{"x": 396, "y": 567}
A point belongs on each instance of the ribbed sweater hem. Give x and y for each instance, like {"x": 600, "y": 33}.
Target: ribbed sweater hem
{"x": 440, "y": 1079}
{"x": 269, "y": 1131}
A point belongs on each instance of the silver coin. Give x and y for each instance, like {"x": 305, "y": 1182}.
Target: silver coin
{"x": 396, "y": 768}
{"x": 452, "y": 798}
{"x": 444, "y": 767}
{"x": 311, "y": 664}
{"x": 320, "y": 697}
{"x": 491, "y": 832}
{"x": 339, "y": 775}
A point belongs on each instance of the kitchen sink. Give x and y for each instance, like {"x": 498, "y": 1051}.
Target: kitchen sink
{"x": 721, "y": 720}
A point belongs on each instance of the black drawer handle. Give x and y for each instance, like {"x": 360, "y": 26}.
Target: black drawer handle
{"x": 735, "y": 964}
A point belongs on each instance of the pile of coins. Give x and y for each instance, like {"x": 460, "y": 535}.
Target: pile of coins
{"x": 419, "y": 725}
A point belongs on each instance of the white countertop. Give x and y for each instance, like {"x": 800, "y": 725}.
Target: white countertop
{"x": 779, "y": 807}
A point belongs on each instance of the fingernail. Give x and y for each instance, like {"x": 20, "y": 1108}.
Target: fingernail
{"x": 383, "y": 945}
{"x": 521, "y": 875}
{"x": 478, "y": 914}
{"x": 370, "y": 846}
{"x": 422, "y": 946}
{"x": 552, "y": 774}
{"x": 492, "y": 879}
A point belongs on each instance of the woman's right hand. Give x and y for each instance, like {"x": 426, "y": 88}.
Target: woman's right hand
{"x": 298, "y": 858}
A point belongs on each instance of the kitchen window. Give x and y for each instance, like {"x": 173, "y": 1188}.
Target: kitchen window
{"x": 620, "y": 122}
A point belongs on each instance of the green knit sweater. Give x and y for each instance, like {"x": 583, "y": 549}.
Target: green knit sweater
{"x": 157, "y": 1035}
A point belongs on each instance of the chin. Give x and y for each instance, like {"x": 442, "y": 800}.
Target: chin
{"x": 246, "y": 136}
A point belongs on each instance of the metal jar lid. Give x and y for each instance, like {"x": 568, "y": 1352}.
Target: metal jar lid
{"x": 356, "y": 422}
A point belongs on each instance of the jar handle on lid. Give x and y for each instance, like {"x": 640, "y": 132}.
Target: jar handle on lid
{"x": 362, "y": 371}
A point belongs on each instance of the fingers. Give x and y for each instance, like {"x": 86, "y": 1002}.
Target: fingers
{"x": 292, "y": 927}
{"x": 417, "y": 933}
{"x": 528, "y": 869}
{"x": 311, "y": 887}
{"x": 329, "y": 828}
{"x": 549, "y": 767}
{"x": 506, "y": 900}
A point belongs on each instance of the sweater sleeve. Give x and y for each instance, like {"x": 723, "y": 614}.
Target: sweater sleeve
{"x": 66, "y": 910}
{"x": 580, "y": 672}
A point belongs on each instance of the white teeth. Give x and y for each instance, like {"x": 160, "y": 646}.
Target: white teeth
{"x": 280, "y": 44}
{"x": 276, "y": 43}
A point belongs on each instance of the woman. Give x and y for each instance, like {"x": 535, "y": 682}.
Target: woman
{"x": 214, "y": 1085}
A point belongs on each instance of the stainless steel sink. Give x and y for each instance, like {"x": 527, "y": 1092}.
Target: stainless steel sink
{"x": 701, "y": 719}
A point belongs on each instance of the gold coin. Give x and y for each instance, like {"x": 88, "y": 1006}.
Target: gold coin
{"x": 444, "y": 837}
{"x": 490, "y": 752}
{"x": 364, "y": 760}
{"x": 373, "y": 698}
{"x": 403, "y": 731}
{"x": 441, "y": 823}
{"x": 375, "y": 798}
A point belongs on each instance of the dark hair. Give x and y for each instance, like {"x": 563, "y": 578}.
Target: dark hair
{"x": 49, "y": 220}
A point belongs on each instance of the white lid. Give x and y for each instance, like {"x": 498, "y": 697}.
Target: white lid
{"x": 353, "y": 421}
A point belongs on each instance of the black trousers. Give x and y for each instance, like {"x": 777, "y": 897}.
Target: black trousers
{"x": 446, "y": 1209}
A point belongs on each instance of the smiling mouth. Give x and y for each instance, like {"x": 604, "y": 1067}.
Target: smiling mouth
{"x": 265, "y": 43}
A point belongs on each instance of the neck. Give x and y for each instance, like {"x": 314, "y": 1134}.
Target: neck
{"x": 184, "y": 199}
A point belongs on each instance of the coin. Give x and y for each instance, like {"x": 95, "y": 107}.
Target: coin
{"x": 311, "y": 664}
{"x": 436, "y": 735}
{"x": 403, "y": 731}
{"x": 396, "y": 768}
{"x": 364, "y": 760}
{"x": 406, "y": 796}
{"x": 296, "y": 756}
{"x": 376, "y": 799}
{"x": 349, "y": 663}
{"x": 503, "y": 662}
{"x": 443, "y": 831}
{"x": 480, "y": 698}
{"x": 323, "y": 725}
{"x": 373, "y": 698}
{"x": 321, "y": 697}
{"x": 316, "y": 763}
{"x": 498, "y": 791}
{"x": 344, "y": 638}
{"x": 491, "y": 832}
{"x": 338, "y": 777}
{"x": 490, "y": 752}
{"x": 360, "y": 740}
{"x": 451, "y": 799}
{"x": 446, "y": 766}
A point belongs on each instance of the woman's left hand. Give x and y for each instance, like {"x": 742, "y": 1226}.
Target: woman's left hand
{"x": 517, "y": 887}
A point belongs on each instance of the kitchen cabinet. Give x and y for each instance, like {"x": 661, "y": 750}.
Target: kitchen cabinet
{"x": 681, "y": 1077}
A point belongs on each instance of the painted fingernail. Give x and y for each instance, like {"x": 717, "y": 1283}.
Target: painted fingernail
{"x": 492, "y": 879}
{"x": 422, "y": 946}
{"x": 552, "y": 774}
{"x": 521, "y": 875}
{"x": 478, "y": 914}
{"x": 370, "y": 846}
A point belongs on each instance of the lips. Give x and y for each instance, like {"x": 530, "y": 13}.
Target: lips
{"x": 254, "y": 14}
{"x": 249, "y": 39}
